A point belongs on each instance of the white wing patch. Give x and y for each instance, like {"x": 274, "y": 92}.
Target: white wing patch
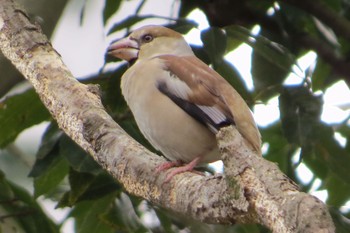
{"x": 178, "y": 91}
{"x": 214, "y": 113}
{"x": 177, "y": 87}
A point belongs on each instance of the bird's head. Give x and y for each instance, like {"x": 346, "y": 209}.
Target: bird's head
{"x": 150, "y": 41}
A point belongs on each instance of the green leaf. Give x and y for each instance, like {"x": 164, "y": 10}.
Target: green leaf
{"x": 247, "y": 228}
{"x": 231, "y": 74}
{"x": 344, "y": 130}
{"x": 82, "y": 14}
{"x": 315, "y": 162}
{"x": 258, "y": 5}
{"x": 112, "y": 97}
{"x": 129, "y": 125}
{"x": 123, "y": 216}
{"x": 20, "y": 112}
{"x": 48, "y": 150}
{"x": 88, "y": 215}
{"x": 201, "y": 54}
{"x": 23, "y": 209}
{"x": 50, "y": 179}
{"x": 79, "y": 183}
{"x": 321, "y": 76}
{"x": 182, "y": 25}
{"x": 278, "y": 148}
{"x": 111, "y": 6}
{"x": 341, "y": 223}
{"x": 77, "y": 157}
{"x": 165, "y": 221}
{"x": 336, "y": 5}
{"x": 85, "y": 186}
{"x": 336, "y": 158}
{"x": 295, "y": 20}
{"x": 5, "y": 189}
{"x": 266, "y": 75}
{"x": 56, "y": 153}
{"x": 187, "y": 7}
{"x": 338, "y": 191}
{"x": 127, "y": 23}
{"x": 275, "y": 53}
{"x": 214, "y": 41}
{"x": 102, "y": 185}
{"x": 300, "y": 112}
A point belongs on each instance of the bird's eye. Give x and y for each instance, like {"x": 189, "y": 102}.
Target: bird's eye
{"x": 147, "y": 38}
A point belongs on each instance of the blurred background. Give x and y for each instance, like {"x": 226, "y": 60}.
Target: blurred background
{"x": 289, "y": 60}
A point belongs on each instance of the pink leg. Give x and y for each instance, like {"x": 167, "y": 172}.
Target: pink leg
{"x": 185, "y": 168}
{"x": 168, "y": 164}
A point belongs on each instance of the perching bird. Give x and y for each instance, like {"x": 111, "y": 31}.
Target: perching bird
{"x": 179, "y": 103}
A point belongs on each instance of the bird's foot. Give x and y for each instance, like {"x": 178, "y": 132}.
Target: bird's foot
{"x": 168, "y": 164}
{"x": 179, "y": 169}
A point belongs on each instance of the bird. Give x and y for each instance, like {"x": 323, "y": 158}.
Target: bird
{"x": 179, "y": 103}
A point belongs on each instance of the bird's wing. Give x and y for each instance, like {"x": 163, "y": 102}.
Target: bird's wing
{"x": 207, "y": 97}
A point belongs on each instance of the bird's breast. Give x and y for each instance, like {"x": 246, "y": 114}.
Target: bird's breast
{"x": 167, "y": 127}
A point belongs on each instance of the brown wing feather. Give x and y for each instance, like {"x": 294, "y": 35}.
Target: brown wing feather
{"x": 210, "y": 89}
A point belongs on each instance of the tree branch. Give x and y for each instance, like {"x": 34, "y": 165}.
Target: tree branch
{"x": 253, "y": 191}
{"x": 47, "y": 12}
{"x": 327, "y": 53}
{"x": 275, "y": 199}
{"x": 319, "y": 9}
{"x": 340, "y": 25}
{"x": 223, "y": 13}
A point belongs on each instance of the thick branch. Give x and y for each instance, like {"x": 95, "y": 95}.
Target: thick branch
{"x": 274, "y": 197}
{"x": 79, "y": 112}
{"x": 47, "y": 13}
{"x": 255, "y": 191}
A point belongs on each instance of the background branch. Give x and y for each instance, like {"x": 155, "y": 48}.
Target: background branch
{"x": 333, "y": 19}
{"x": 223, "y": 13}
{"x": 328, "y": 54}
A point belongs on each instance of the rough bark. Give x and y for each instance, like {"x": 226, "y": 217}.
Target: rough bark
{"x": 275, "y": 199}
{"x": 47, "y": 13}
{"x": 253, "y": 190}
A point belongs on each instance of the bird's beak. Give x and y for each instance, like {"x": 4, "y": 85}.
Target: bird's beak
{"x": 126, "y": 49}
